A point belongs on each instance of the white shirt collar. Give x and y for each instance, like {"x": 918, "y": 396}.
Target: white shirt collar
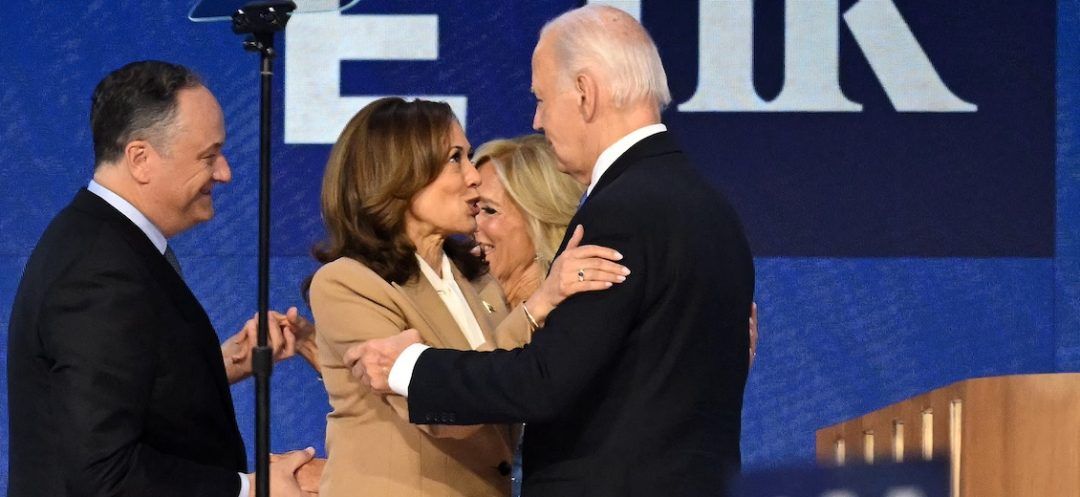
{"x": 440, "y": 282}
{"x": 129, "y": 211}
{"x": 612, "y": 153}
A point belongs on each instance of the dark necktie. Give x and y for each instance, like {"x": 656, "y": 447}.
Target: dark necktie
{"x": 170, "y": 257}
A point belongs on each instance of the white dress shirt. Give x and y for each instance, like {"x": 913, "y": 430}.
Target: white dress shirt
{"x": 617, "y": 149}
{"x": 450, "y": 293}
{"x": 401, "y": 372}
{"x": 160, "y": 243}
{"x": 129, "y": 211}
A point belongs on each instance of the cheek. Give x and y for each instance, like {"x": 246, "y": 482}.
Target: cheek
{"x": 483, "y": 229}
{"x": 522, "y": 247}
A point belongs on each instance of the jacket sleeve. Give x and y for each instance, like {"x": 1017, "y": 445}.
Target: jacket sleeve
{"x": 514, "y": 330}
{"x": 351, "y": 305}
{"x": 538, "y": 381}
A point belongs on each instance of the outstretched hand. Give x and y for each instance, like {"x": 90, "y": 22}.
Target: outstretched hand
{"x": 370, "y": 361}
{"x": 580, "y": 268}
{"x": 236, "y": 350}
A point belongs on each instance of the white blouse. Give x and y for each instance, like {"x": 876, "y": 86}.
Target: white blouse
{"x": 450, "y": 293}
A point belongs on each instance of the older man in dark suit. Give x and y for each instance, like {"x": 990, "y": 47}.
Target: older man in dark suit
{"x": 636, "y": 390}
{"x": 117, "y": 385}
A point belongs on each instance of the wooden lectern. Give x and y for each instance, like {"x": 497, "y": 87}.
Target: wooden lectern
{"x": 1005, "y": 436}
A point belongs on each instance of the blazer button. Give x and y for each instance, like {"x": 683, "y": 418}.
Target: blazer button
{"x": 505, "y": 468}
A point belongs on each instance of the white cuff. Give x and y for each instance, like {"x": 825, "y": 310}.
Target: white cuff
{"x": 401, "y": 371}
{"x": 245, "y": 486}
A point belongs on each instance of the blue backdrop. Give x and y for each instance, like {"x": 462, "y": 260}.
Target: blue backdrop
{"x": 908, "y": 170}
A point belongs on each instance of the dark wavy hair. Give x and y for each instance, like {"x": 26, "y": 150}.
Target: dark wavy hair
{"x": 136, "y": 102}
{"x": 388, "y": 152}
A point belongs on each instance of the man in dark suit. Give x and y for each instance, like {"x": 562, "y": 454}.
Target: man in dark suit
{"x": 117, "y": 385}
{"x": 636, "y": 390}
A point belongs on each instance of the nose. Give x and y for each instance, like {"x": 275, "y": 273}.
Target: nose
{"x": 222, "y": 171}
{"x": 537, "y": 124}
{"x": 472, "y": 176}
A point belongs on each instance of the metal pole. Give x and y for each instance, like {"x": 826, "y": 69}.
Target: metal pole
{"x": 263, "y": 19}
{"x": 262, "y": 364}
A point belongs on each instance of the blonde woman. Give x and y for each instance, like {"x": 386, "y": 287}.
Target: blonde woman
{"x": 525, "y": 208}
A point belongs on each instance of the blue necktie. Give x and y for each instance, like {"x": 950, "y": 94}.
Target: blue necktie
{"x": 582, "y": 201}
{"x": 170, "y": 257}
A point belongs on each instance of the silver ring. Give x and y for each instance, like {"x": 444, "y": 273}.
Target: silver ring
{"x": 581, "y": 274}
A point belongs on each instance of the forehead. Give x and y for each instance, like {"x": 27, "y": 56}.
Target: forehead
{"x": 490, "y": 186}
{"x": 457, "y": 136}
{"x": 198, "y": 115}
{"x": 542, "y": 60}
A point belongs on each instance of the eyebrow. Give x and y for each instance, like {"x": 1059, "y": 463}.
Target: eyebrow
{"x": 216, "y": 147}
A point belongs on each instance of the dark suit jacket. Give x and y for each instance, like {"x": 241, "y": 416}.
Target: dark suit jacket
{"x": 116, "y": 384}
{"x": 636, "y": 390}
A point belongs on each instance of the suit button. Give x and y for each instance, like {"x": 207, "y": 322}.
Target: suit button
{"x": 504, "y": 468}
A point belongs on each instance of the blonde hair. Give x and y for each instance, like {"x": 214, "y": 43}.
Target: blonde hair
{"x": 526, "y": 167}
{"x": 610, "y": 41}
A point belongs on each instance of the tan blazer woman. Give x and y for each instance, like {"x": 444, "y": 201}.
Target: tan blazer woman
{"x": 372, "y": 448}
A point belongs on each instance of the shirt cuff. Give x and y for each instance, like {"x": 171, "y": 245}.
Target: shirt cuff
{"x": 401, "y": 371}
{"x": 245, "y": 486}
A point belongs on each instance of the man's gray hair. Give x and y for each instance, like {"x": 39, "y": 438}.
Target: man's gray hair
{"x": 610, "y": 41}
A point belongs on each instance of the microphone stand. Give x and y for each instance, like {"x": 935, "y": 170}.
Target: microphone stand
{"x": 262, "y": 20}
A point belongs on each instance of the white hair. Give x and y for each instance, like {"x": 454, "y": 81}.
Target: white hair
{"x": 610, "y": 41}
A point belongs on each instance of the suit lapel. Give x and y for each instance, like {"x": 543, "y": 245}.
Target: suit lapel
{"x": 658, "y": 144}
{"x": 440, "y": 323}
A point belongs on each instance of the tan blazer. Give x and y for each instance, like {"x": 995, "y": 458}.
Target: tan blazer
{"x": 372, "y": 449}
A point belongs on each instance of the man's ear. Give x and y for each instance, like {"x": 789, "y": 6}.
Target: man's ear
{"x": 140, "y": 157}
{"x": 588, "y": 91}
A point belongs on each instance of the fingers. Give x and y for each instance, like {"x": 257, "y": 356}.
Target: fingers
{"x": 291, "y": 461}
{"x": 353, "y": 354}
{"x": 587, "y": 251}
{"x": 370, "y": 362}
{"x": 243, "y": 341}
{"x": 356, "y": 359}
{"x": 289, "y": 348}
{"x": 410, "y": 336}
{"x": 276, "y": 336}
{"x": 575, "y": 239}
{"x": 600, "y": 269}
{"x": 308, "y": 475}
{"x": 303, "y": 328}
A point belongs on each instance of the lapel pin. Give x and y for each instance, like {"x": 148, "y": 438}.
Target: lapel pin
{"x": 490, "y": 308}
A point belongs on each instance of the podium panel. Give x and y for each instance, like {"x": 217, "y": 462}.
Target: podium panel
{"x": 1006, "y": 436}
